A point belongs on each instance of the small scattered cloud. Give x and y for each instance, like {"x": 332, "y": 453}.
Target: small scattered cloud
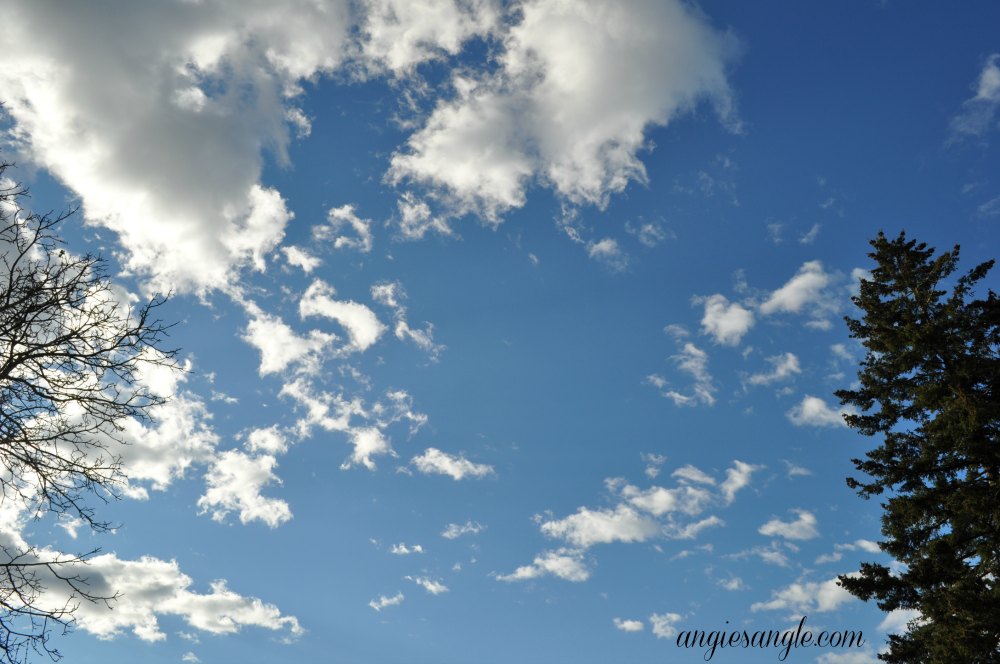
{"x": 435, "y": 462}
{"x": 402, "y": 549}
{"x": 802, "y": 528}
{"x": 428, "y": 584}
{"x": 456, "y": 530}
{"x": 782, "y": 366}
{"x": 608, "y": 252}
{"x": 564, "y": 563}
{"x": 629, "y": 625}
{"x": 664, "y": 625}
{"x": 978, "y": 114}
{"x": 810, "y": 236}
{"x": 383, "y": 602}
{"x": 814, "y": 412}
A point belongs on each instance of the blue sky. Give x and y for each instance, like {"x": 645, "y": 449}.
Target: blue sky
{"x": 512, "y": 327}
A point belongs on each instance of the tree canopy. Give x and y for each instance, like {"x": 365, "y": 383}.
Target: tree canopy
{"x": 930, "y": 387}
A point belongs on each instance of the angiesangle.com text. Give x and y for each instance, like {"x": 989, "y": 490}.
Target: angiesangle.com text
{"x": 782, "y": 641}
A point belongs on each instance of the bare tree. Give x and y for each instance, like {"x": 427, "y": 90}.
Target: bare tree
{"x": 71, "y": 354}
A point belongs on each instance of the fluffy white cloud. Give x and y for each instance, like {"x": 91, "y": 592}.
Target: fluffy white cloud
{"x": 428, "y": 584}
{"x": 725, "y": 321}
{"x": 563, "y": 563}
{"x": 609, "y": 252}
{"x": 208, "y": 87}
{"x": 805, "y": 287}
{"x": 337, "y": 219}
{"x": 866, "y": 656}
{"x": 813, "y": 411}
{"x": 362, "y": 325}
{"x": 149, "y": 588}
{"x": 301, "y": 258}
{"x": 434, "y": 461}
{"x": 737, "y": 478}
{"x": 268, "y": 441}
{"x": 898, "y": 621}
{"x": 979, "y": 112}
{"x": 804, "y": 598}
{"x": 456, "y": 530}
{"x": 629, "y": 625}
{"x": 588, "y": 527}
{"x": 783, "y": 366}
{"x": 658, "y": 500}
{"x": 577, "y": 86}
{"x": 664, "y": 624}
{"x": 400, "y": 34}
{"x": 233, "y": 484}
{"x": 403, "y": 550}
{"x": 281, "y": 347}
{"x": 802, "y": 528}
{"x": 382, "y": 601}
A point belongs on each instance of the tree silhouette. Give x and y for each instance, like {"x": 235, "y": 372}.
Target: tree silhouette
{"x": 71, "y": 354}
{"x": 930, "y": 385}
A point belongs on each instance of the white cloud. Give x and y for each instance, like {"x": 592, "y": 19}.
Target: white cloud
{"x": 609, "y": 252}
{"x": 692, "y": 474}
{"x": 382, "y": 601}
{"x": 694, "y": 362}
{"x": 737, "y": 478}
{"x": 428, "y": 584}
{"x": 434, "y": 461}
{"x": 649, "y": 234}
{"x": 392, "y": 294}
{"x": 402, "y": 550}
{"x": 208, "y": 88}
{"x": 400, "y": 34}
{"x": 588, "y": 527}
{"x": 810, "y": 236}
{"x": 301, "y": 258}
{"x": 361, "y": 323}
{"x": 280, "y": 346}
{"x": 658, "y": 500}
{"x": 732, "y": 584}
{"x": 269, "y": 441}
{"x": 576, "y": 87}
{"x": 805, "y": 598}
{"x": 794, "y": 470}
{"x": 664, "y": 624}
{"x": 337, "y": 219}
{"x": 803, "y": 528}
{"x": 149, "y": 587}
{"x": 190, "y": 657}
{"x": 563, "y": 563}
{"x": 629, "y": 625}
{"x": 813, "y": 411}
{"x": 784, "y": 366}
{"x": 805, "y": 288}
{"x": 838, "y": 550}
{"x": 334, "y": 412}
{"x": 866, "y": 656}
{"x": 456, "y": 530}
{"x": 979, "y": 112}
{"x": 653, "y": 462}
{"x": 233, "y": 484}
{"x": 897, "y": 622}
{"x": 727, "y": 322}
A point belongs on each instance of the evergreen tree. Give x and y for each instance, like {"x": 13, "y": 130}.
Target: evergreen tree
{"x": 930, "y": 384}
